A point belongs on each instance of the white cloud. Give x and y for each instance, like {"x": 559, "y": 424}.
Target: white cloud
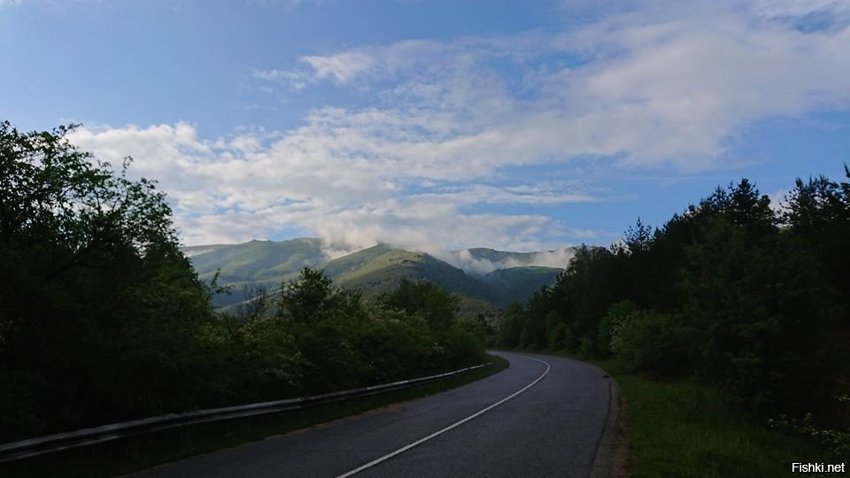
{"x": 341, "y": 67}
{"x": 648, "y": 83}
{"x": 324, "y": 182}
{"x": 701, "y": 76}
{"x": 294, "y": 80}
{"x": 654, "y": 83}
{"x": 779, "y": 200}
{"x": 822, "y": 10}
{"x": 466, "y": 260}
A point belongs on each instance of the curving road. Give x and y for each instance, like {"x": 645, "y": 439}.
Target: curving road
{"x": 544, "y": 416}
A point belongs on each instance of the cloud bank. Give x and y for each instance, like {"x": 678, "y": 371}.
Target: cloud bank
{"x": 469, "y": 262}
{"x": 425, "y": 160}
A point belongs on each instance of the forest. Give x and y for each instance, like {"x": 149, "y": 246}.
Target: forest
{"x": 733, "y": 292}
{"x": 103, "y": 319}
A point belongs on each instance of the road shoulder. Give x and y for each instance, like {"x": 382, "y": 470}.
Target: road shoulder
{"x": 612, "y": 450}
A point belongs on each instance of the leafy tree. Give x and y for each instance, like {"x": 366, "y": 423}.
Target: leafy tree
{"x": 818, "y": 212}
{"x": 95, "y": 292}
{"x": 647, "y": 340}
{"x": 256, "y": 303}
{"x": 313, "y": 298}
{"x": 511, "y": 325}
{"x": 102, "y": 318}
{"x": 638, "y": 238}
{"x": 437, "y": 306}
{"x": 728, "y": 291}
{"x": 558, "y": 336}
{"x": 762, "y": 312}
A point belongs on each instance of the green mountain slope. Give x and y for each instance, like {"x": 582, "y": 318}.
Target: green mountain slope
{"x": 519, "y": 283}
{"x": 264, "y": 263}
{"x": 374, "y": 270}
{"x": 383, "y": 271}
{"x": 362, "y": 260}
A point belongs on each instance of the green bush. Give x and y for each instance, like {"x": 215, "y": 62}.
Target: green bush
{"x": 557, "y": 337}
{"x": 511, "y": 326}
{"x": 609, "y": 327}
{"x": 586, "y": 347}
{"x": 649, "y": 340}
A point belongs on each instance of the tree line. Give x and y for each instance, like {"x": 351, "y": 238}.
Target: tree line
{"x": 730, "y": 292}
{"x": 103, "y": 319}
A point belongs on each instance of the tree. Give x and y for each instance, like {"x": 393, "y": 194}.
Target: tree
{"x": 818, "y": 212}
{"x": 51, "y": 192}
{"x": 511, "y": 325}
{"x": 313, "y": 298}
{"x": 103, "y": 319}
{"x": 760, "y": 307}
{"x": 437, "y": 306}
{"x": 638, "y": 238}
{"x": 93, "y": 288}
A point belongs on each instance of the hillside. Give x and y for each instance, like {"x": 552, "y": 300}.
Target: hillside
{"x": 386, "y": 267}
{"x": 486, "y": 278}
{"x": 254, "y": 262}
{"x": 519, "y": 283}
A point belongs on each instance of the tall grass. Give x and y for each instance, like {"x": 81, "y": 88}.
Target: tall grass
{"x": 686, "y": 429}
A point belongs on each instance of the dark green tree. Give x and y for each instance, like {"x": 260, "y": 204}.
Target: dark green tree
{"x": 313, "y": 298}
{"x": 99, "y": 309}
{"x": 511, "y": 325}
{"x": 437, "y": 306}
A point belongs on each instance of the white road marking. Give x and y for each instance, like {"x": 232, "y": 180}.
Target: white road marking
{"x": 444, "y": 430}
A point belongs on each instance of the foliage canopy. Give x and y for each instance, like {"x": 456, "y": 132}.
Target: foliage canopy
{"x": 730, "y": 291}
{"x": 103, "y": 319}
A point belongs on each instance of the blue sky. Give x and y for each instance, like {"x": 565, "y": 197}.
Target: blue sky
{"x": 436, "y": 124}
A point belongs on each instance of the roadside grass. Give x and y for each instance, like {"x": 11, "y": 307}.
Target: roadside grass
{"x": 140, "y": 452}
{"x": 686, "y": 429}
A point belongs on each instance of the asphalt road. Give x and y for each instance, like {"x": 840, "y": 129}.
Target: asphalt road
{"x": 541, "y": 417}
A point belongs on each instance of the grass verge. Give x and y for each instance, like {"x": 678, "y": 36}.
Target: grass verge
{"x": 143, "y": 451}
{"x": 686, "y": 429}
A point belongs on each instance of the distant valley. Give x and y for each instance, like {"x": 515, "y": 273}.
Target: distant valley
{"x": 483, "y": 278}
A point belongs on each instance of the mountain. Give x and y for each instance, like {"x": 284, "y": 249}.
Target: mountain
{"x": 519, "y": 283}
{"x": 386, "y": 267}
{"x": 483, "y": 278}
{"x": 492, "y": 255}
{"x": 482, "y": 261}
{"x": 255, "y": 261}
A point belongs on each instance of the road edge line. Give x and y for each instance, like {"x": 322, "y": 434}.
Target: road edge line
{"x": 454, "y": 425}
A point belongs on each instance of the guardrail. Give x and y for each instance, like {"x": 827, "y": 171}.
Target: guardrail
{"x": 89, "y": 436}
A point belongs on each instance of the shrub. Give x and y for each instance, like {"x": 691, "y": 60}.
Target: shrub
{"x": 651, "y": 341}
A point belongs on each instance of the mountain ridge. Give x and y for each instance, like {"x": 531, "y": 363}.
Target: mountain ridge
{"x": 477, "y": 275}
